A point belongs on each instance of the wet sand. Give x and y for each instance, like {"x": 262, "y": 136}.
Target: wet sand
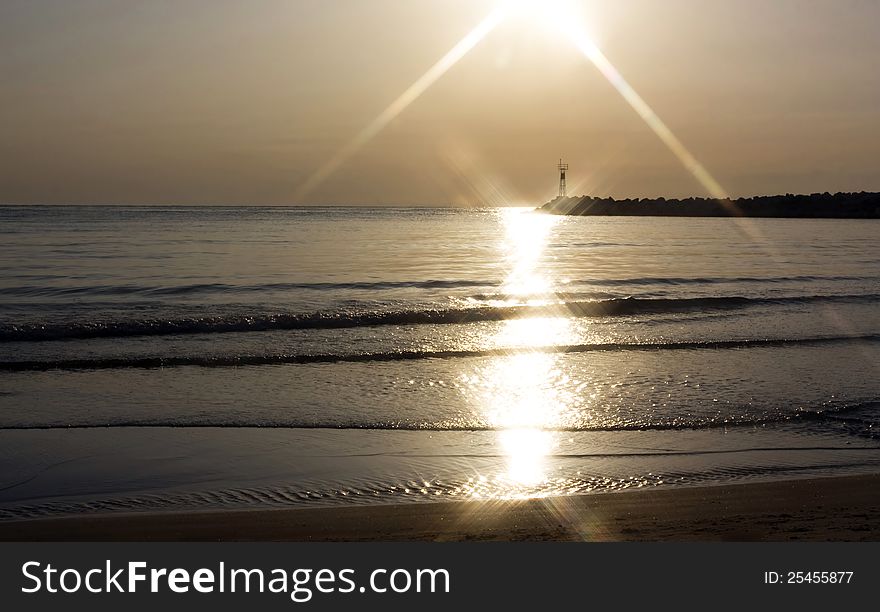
{"x": 823, "y": 509}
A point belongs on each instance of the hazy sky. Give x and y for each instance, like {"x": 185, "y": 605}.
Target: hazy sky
{"x": 241, "y": 101}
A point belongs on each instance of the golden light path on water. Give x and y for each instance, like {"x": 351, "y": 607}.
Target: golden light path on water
{"x": 523, "y": 395}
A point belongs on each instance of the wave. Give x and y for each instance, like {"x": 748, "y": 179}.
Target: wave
{"x": 404, "y": 488}
{"x": 710, "y": 280}
{"x": 151, "y": 362}
{"x": 825, "y": 413}
{"x": 225, "y": 288}
{"x": 437, "y": 316}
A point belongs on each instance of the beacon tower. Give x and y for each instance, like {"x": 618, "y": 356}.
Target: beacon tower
{"x": 562, "y": 169}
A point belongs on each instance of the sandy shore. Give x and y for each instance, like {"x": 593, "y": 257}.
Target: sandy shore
{"x": 839, "y": 508}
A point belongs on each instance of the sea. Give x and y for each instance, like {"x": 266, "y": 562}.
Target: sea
{"x": 182, "y": 358}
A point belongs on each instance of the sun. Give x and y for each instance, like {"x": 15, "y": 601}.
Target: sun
{"x": 564, "y": 20}
{"x": 557, "y": 14}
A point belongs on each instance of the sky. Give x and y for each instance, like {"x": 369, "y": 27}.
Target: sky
{"x": 262, "y": 101}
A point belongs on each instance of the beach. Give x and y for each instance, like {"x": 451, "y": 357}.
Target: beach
{"x": 843, "y": 508}
{"x": 371, "y": 373}
{"x": 256, "y": 286}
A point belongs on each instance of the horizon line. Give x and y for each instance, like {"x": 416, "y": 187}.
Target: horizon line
{"x": 413, "y": 205}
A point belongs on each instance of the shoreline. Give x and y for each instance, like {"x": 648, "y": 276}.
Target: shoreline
{"x": 834, "y": 508}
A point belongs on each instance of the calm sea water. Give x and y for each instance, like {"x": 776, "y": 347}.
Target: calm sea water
{"x": 155, "y": 358}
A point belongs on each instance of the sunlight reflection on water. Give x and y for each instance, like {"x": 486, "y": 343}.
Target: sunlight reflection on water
{"x": 524, "y": 394}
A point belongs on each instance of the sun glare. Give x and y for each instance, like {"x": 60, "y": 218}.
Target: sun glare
{"x": 525, "y": 237}
{"x": 564, "y": 19}
{"x": 547, "y": 12}
{"x": 523, "y": 395}
{"x": 526, "y": 450}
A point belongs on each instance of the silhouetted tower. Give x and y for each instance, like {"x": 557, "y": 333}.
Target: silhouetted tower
{"x": 562, "y": 168}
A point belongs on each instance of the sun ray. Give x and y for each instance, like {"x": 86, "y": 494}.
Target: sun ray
{"x": 591, "y": 51}
{"x": 561, "y": 17}
{"x": 410, "y": 95}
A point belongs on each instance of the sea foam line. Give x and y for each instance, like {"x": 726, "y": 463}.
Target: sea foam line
{"x": 832, "y": 414}
{"x": 438, "y": 316}
{"x": 293, "y": 358}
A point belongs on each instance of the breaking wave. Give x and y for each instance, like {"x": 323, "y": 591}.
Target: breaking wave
{"x": 148, "y": 362}
{"x": 423, "y": 316}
